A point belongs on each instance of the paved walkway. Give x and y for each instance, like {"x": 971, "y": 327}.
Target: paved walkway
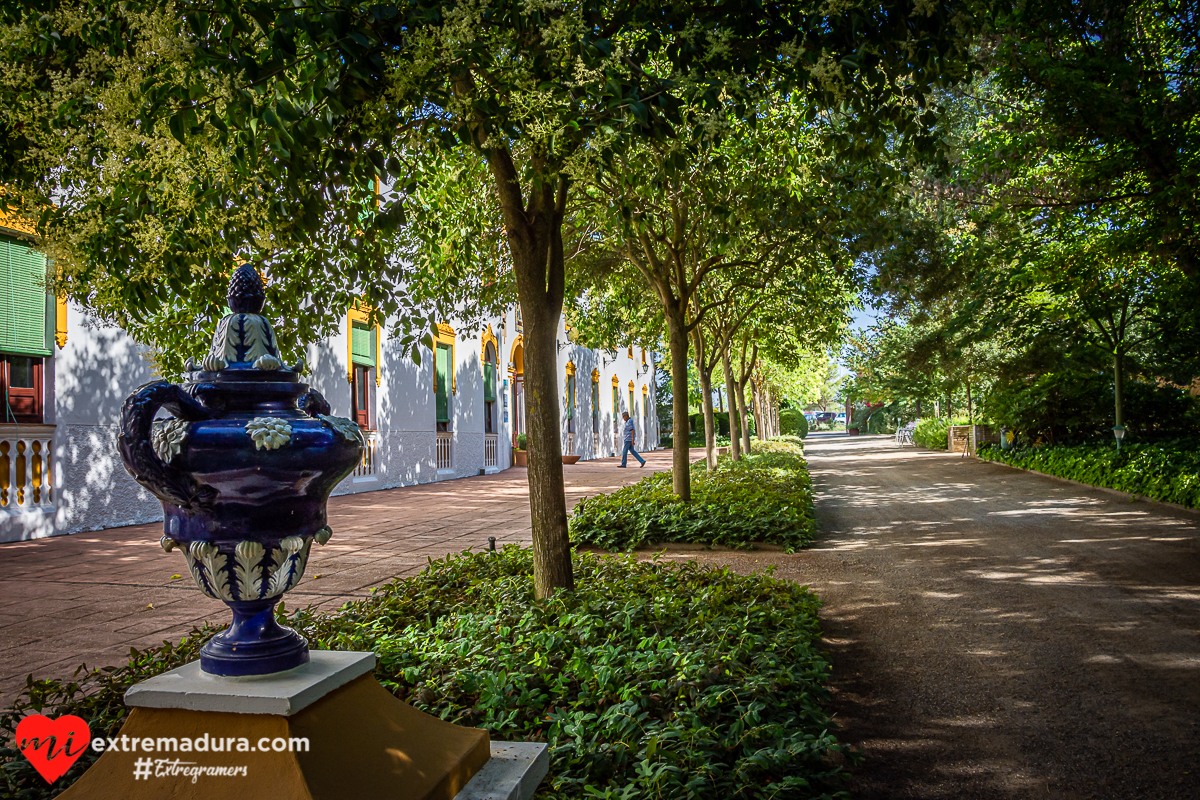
{"x": 91, "y": 596}
{"x": 999, "y": 634}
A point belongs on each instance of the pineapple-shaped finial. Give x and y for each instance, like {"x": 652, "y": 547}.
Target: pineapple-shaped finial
{"x": 246, "y": 295}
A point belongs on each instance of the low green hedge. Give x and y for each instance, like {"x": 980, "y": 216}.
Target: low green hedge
{"x": 931, "y": 433}
{"x": 766, "y": 497}
{"x": 1168, "y": 471}
{"x": 648, "y": 681}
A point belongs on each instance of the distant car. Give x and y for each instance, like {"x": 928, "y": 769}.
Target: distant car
{"x": 841, "y": 417}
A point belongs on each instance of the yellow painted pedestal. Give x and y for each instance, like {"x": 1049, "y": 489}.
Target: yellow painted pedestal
{"x": 363, "y": 744}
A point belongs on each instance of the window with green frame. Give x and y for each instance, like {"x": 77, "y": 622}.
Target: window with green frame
{"x": 570, "y": 404}
{"x": 490, "y": 379}
{"x": 22, "y": 299}
{"x": 616, "y": 404}
{"x": 444, "y": 367}
{"x": 595, "y": 406}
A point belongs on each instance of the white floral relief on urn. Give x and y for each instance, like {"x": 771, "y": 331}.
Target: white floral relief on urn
{"x": 346, "y": 427}
{"x": 167, "y": 438}
{"x": 269, "y": 433}
{"x": 256, "y": 572}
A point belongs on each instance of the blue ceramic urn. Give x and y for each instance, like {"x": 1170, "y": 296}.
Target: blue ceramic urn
{"x": 243, "y": 465}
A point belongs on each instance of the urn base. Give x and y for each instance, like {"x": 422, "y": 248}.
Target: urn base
{"x": 353, "y": 740}
{"x": 254, "y": 643}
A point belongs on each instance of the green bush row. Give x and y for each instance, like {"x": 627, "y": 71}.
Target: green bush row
{"x": 648, "y": 681}
{"x": 766, "y": 497}
{"x": 931, "y": 433}
{"x": 1168, "y": 471}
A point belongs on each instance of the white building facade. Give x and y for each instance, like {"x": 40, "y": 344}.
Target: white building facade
{"x": 458, "y": 414}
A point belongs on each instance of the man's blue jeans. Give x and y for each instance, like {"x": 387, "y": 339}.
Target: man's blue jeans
{"x": 629, "y": 449}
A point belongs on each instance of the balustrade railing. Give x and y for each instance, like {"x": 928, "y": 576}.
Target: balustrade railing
{"x": 490, "y": 448}
{"x": 26, "y": 472}
{"x": 366, "y": 467}
{"x": 445, "y": 451}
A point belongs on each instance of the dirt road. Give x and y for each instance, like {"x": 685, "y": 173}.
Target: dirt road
{"x": 998, "y": 634}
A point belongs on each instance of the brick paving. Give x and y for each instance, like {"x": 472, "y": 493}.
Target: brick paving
{"x": 90, "y": 597}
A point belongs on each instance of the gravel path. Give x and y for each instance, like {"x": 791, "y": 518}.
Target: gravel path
{"x": 997, "y": 634}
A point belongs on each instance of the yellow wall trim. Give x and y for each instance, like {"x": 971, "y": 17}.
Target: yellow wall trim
{"x": 445, "y": 335}
{"x": 356, "y": 314}
{"x": 512, "y": 355}
{"x": 488, "y": 336}
{"x": 60, "y": 321}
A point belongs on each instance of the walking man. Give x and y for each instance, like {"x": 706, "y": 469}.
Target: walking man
{"x": 629, "y": 441}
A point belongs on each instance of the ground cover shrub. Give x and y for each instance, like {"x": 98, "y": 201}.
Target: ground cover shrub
{"x": 1168, "y": 471}
{"x": 765, "y": 497}
{"x": 931, "y": 433}
{"x": 648, "y": 681}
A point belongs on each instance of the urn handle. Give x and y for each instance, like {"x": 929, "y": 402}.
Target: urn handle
{"x": 313, "y": 403}
{"x": 143, "y": 463}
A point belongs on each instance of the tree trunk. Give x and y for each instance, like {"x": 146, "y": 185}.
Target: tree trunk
{"x": 745, "y": 370}
{"x": 1119, "y": 386}
{"x": 759, "y": 417}
{"x": 547, "y": 500}
{"x": 735, "y": 444}
{"x": 681, "y": 477}
{"x": 970, "y": 406}
{"x": 534, "y": 232}
{"x": 710, "y": 443}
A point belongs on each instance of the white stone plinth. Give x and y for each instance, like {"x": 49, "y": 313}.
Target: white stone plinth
{"x": 513, "y": 773}
{"x": 281, "y": 693}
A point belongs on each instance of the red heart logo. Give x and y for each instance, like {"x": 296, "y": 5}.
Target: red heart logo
{"x": 52, "y": 745}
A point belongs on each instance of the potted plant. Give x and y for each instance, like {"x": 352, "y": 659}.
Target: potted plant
{"x": 520, "y": 456}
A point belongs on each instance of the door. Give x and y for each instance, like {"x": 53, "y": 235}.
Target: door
{"x": 360, "y": 388}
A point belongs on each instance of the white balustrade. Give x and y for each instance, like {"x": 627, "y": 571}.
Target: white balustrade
{"x": 366, "y": 467}
{"x": 26, "y": 472}
{"x": 490, "y": 447}
{"x": 445, "y": 451}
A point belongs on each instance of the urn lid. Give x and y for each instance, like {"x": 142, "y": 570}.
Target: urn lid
{"x": 244, "y": 346}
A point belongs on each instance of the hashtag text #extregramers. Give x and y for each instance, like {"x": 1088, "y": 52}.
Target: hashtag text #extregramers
{"x": 169, "y": 768}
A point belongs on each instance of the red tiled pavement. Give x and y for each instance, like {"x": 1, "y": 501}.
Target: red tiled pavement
{"x": 91, "y": 596}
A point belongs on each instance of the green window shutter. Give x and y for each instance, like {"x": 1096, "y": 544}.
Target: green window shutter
{"x": 489, "y": 382}
{"x": 443, "y": 383}
{"x": 570, "y": 397}
{"x": 362, "y": 344}
{"x": 616, "y": 404}
{"x": 22, "y": 299}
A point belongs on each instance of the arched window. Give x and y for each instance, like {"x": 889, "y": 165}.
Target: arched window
{"x": 616, "y": 405}
{"x": 570, "y": 397}
{"x": 491, "y": 372}
{"x": 645, "y": 416}
{"x": 595, "y": 401}
{"x": 445, "y": 379}
{"x": 362, "y": 359}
